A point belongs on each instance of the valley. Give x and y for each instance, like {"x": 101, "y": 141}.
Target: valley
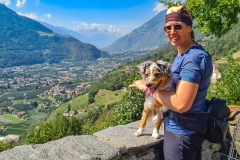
{"x": 29, "y": 94}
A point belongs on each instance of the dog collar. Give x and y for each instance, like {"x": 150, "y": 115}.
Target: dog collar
{"x": 150, "y": 91}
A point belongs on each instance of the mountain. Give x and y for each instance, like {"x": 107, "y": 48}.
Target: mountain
{"x": 67, "y": 32}
{"x": 24, "y": 41}
{"x": 96, "y": 37}
{"x": 100, "y": 38}
{"x": 147, "y": 37}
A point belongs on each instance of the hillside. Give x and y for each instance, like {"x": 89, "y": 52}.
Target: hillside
{"x": 24, "y": 41}
{"x": 149, "y": 36}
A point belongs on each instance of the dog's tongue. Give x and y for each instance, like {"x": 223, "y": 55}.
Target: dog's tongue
{"x": 150, "y": 91}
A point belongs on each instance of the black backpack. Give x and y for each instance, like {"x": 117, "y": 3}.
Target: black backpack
{"x": 217, "y": 124}
{"x": 212, "y": 124}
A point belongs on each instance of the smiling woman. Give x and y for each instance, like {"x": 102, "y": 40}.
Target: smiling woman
{"x": 191, "y": 73}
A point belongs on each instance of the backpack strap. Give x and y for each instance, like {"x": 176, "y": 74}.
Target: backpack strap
{"x": 193, "y": 121}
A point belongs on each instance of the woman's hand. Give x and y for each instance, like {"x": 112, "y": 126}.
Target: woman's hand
{"x": 139, "y": 84}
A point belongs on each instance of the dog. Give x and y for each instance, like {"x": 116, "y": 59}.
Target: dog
{"x": 158, "y": 76}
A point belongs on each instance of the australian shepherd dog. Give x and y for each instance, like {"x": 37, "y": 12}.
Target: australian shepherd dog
{"x": 158, "y": 76}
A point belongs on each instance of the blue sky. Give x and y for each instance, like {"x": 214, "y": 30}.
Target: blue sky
{"x": 113, "y": 15}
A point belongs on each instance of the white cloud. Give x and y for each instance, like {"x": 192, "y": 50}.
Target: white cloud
{"x": 29, "y": 15}
{"x": 106, "y": 27}
{"x": 6, "y": 2}
{"x": 113, "y": 29}
{"x": 159, "y": 7}
{"x": 37, "y": 2}
{"x": 20, "y": 3}
{"x": 82, "y": 25}
{"x": 85, "y": 26}
{"x": 95, "y": 25}
{"x": 47, "y": 15}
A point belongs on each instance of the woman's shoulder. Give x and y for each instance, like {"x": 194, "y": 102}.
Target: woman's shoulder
{"x": 197, "y": 53}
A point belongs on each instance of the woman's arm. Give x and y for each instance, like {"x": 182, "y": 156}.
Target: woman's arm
{"x": 181, "y": 100}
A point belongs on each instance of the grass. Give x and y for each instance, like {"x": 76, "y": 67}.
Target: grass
{"x": 39, "y": 116}
{"x": 12, "y": 118}
{"x": 19, "y": 101}
{"x": 105, "y": 97}
{"x": 76, "y": 103}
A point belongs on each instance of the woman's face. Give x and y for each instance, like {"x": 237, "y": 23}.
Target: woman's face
{"x": 178, "y": 33}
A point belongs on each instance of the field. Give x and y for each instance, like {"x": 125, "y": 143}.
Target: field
{"x": 20, "y": 128}
{"x": 19, "y": 95}
{"x": 103, "y": 97}
{"x": 76, "y": 103}
{"x": 12, "y": 118}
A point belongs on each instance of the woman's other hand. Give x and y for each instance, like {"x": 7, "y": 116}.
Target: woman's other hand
{"x": 139, "y": 84}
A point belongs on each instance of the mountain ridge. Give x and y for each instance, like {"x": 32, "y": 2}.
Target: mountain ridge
{"x": 98, "y": 38}
{"x": 24, "y": 41}
{"x": 149, "y": 36}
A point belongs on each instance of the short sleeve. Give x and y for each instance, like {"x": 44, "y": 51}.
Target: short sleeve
{"x": 192, "y": 68}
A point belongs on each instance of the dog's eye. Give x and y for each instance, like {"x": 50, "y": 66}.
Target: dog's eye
{"x": 157, "y": 75}
{"x": 146, "y": 74}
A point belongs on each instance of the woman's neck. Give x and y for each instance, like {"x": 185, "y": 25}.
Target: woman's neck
{"x": 183, "y": 48}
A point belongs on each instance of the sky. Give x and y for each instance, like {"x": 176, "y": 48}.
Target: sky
{"x": 121, "y": 16}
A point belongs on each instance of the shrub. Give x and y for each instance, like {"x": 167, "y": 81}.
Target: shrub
{"x": 130, "y": 109}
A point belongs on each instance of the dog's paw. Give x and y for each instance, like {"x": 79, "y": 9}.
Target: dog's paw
{"x": 139, "y": 132}
{"x": 155, "y": 134}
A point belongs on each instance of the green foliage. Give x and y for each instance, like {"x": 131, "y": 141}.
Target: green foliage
{"x": 130, "y": 109}
{"x": 112, "y": 81}
{"x": 55, "y": 130}
{"x": 5, "y": 146}
{"x": 69, "y": 107}
{"x": 215, "y": 17}
{"x": 225, "y": 45}
{"x": 227, "y": 87}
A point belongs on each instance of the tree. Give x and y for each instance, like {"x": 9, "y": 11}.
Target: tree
{"x": 49, "y": 131}
{"x": 212, "y": 17}
{"x": 227, "y": 87}
{"x": 69, "y": 107}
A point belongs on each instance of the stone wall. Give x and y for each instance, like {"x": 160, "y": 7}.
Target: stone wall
{"x": 113, "y": 143}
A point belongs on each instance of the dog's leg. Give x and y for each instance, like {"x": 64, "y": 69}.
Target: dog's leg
{"x": 155, "y": 133}
{"x": 145, "y": 114}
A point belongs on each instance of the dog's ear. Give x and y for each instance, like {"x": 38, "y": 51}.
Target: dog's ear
{"x": 167, "y": 67}
{"x": 143, "y": 66}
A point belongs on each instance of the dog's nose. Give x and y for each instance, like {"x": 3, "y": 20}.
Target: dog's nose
{"x": 148, "y": 84}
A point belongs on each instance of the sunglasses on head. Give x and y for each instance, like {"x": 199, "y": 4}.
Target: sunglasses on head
{"x": 176, "y": 27}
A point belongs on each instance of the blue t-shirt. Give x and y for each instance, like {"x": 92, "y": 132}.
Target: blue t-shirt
{"x": 195, "y": 65}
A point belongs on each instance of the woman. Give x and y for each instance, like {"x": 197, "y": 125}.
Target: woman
{"x": 192, "y": 70}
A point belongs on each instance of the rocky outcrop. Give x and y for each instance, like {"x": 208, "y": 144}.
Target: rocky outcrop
{"x": 115, "y": 143}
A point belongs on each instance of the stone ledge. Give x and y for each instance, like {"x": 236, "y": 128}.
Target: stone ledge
{"x": 112, "y": 143}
